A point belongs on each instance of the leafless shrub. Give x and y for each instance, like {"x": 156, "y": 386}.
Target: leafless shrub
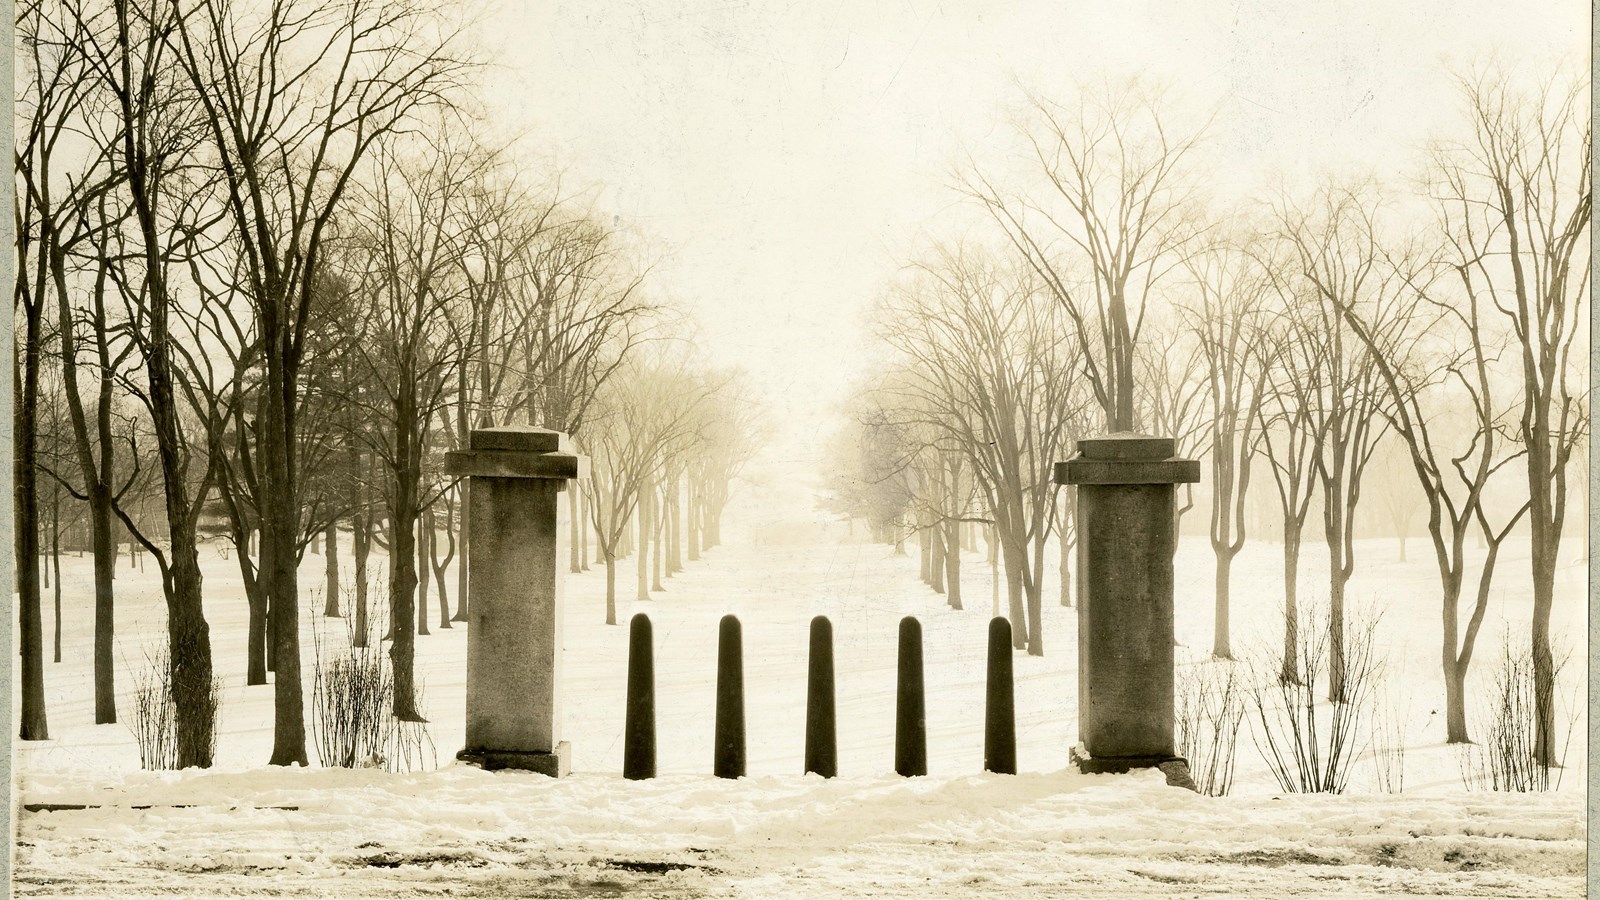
{"x": 1505, "y": 759}
{"x": 1390, "y": 731}
{"x": 1311, "y": 744}
{"x": 352, "y": 700}
{"x": 154, "y": 719}
{"x": 408, "y": 746}
{"x": 1211, "y": 707}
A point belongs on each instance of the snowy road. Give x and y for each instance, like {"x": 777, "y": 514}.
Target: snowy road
{"x": 462, "y": 832}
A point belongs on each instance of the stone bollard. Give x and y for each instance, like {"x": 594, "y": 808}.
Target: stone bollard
{"x": 729, "y": 741}
{"x": 999, "y": 707}
{"x": 822, "y": 749}
{"x": 1126, "y": 541}
{"x": 517, "y": 550}
{"x": 910, "y": 713}
{"x": 639, "y": 728}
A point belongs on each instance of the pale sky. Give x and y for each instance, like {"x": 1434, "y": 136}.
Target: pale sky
{"x": 780, "y": 160}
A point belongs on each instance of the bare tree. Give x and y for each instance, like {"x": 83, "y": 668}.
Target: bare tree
{"x": 990, "y": 369}
{"x": 728, "y": 436}
{"x": 1398, "y": 500}
{"x": 1437, "y": 359}
{"x": 294, "y": 97}
{"x": 1226, "y": 319}
{"x": 153, "y": 122}
{"x": 1172, "y": 396}
{"x": 1516, "y": 194}
{"x": 1332, "y": 262}
{"x": 647, "y": 405}
{"x": 1288, "y": 435}
{"x": 403, "y": 262}
{"x": 1115, "y": 202}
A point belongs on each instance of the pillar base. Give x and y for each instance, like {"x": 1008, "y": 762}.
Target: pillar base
{"x": 556, "y": 764}
{"x": 1176, "y": 768}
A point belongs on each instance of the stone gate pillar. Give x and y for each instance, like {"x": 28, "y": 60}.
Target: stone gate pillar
{"x": 518, "y": 548}
{"x": 1126, "y": 539}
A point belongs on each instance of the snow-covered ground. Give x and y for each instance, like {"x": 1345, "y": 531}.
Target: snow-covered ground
{"x": 244, "y": 828}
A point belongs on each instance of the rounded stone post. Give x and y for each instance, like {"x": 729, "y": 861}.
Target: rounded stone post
{"x": 822, "y": 748}
{"x": 999, "y": 708}
{"x": 729, "y": 743}
{"x": 1126, "y": 539}
{"x": 639, "y": 726}
{"x": 910, "y": 713}
{"x": 515, "y": 573}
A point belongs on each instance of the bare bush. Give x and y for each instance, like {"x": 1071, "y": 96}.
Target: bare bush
{"x": 154, "y": 719}
{"x": 1507, "y": 759}
{"x": 1390, "y": 731}
{"x": 1211, "y": 708}
{"x": 408, "y": 746}
{"x": 151, "y": 722}
{"x": 1311, "y": 744}
{"x": 352, "y": 696}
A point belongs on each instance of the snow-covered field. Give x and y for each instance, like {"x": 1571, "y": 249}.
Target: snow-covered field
{"x": 247, "y": 829}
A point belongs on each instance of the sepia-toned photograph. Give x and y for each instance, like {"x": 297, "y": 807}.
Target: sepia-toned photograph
{"x": 712, "y": 449}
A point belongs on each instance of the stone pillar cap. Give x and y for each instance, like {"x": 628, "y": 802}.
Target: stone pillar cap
{"x": 1128, "y": 445}
{"x": 1127, "y": 458}
{"x": 527, "y": 438}
{"x": 517, "y": 451}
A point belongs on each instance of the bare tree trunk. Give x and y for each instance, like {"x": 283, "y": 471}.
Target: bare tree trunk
{"x": 279, "y": 568}
{"x": 459, "y": 546}
{"x": 35, "y": 726}
{"x": 694, "y": 521}
{"x": 925, "y": 549}
{"x": 1034, "y": 586}
{"x": 642, "y": 520}
{"x": 582, "y": 496}
{"x": 1455, "y": 701}
{"x": 611, "y": 585}
{"x": 936, "y": 555}
{"x": 1221, "y": 647}
{"x": 103, "y": 539}
{"x": 575, "y": 524}
{"x": 994, "y": 569}
{"x": 189, "y": 645}
{"x": 713, "y": 511}
{"x": 1336, "y": 685}
{"x": 440, "y": 566}
{"x": 55, "y": 558}
{"x": 952, "y": 563}
{"x": 1289, "y": 673}
{"x": 258, "y": 652}
{"x": 361, "y": 546}
{"x": 330, "y": 552}
{"x": 674, "y": 525}
{"x": 402, "y": 591}
{"x": 1546, "y": 544}
{"x": 404, "y": 512}
{"x": 1016, "y": 568}
{"x": 1064, "y": 548}
{"x": 283, "y": 626}
{"x": 1455, "y": 674}
{"x": 424, "y": 551}
{"x": 658, "y": 534}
